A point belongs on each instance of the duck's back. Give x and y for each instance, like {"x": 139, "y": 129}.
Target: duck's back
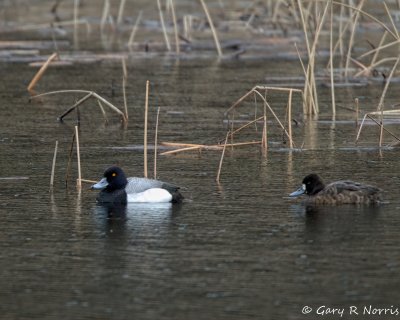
{"x": 136, "y": 185}
{"x": 347, "y": 192}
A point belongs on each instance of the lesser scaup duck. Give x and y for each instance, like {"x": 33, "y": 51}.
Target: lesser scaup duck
{"x": 118, "y": 189}
{"x": 339, "y": 192}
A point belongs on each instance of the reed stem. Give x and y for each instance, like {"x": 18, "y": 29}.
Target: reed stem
{"x": 155, "y": 144}
{"x": 121, "y": 12}
{"x": 290, "y": 119}
{"x": 177, "y": 45}
{"x": 41, "y": 71}
{"x": 53, "y": 166}
{"x": 214, "y": 32}
{"x": 331, "y": 63}
{"x": 78, "y": 156}
{"x": 357, "y": 110}
{"x": 222, "y": 158}
{"x": 134, "y": 29}
{"x": 146, "y": 110}
{"x": 71, "y": 149}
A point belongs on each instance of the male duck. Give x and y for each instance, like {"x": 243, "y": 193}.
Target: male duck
{"x": 117, "y": 189}
{"x": 339, "y": 192}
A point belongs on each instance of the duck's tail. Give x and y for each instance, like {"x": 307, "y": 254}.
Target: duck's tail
{"x": 177, "y": 197}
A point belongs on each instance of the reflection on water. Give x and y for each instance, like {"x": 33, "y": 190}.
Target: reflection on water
{"x": 115, "y": 220}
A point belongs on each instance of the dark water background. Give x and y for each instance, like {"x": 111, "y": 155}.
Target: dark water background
{"x": 235, "y": 250}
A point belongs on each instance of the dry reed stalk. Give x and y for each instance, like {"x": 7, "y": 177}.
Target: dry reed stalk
{"x": 121, "y": 12}
{"x": 88, "y": 181}
{"x": 351, "y": 41}
{"x": 351, "y": 7}
{"x": 290, "y": 119}
{"x": 106, "y": 12}
{"x": 341, "y": 36}
{"x": 357, "y": 110}
{"x": 373, "y": 66}
{"x": 273, "y": 113}
{"x": 71, "y": 149}
{"x": 381, "y": 129}
{"x": 177, "y": 144}
{"x": 134, "y": 29}
{"x": 233, "y": 106}
{"x": 276, "y": 12}
{"x": 245, "y": 126}
{"x": 380, "y": 105}
{"x": 53, "y": 167}
{"x": 181, "y": 150}
{"x": 331, "y": 62}
{"x": 380, "y": 47}
{"x": 146, "y": 111}
{"x": 255, "y": 110}
{"x": 311, "y": 64}
{"x": 210, "y": 147}
{"x": 264, "y": 140}
{"x": 77, "y": 104}
{"x": 222, "y": 158}
{"x": 177, "y": 44}
{"x": 91, "y": 93}
{"x": 41, "y": 71}
{"x": 239, "y": 101}
{"x": 369, "y": 116}
{"x": 76, "y": 13}
{"x": 124, "y": 78}
{"x": 305, "y": 111}
{"x": 78, "y": 157}
{"x": 340, "y": 39}
{"x": 102, "y": 111}
{"x": 124, "y": 96}
{"x": 166, "y": 39}
{"x": 214, "y": 32}
{"x": 266, "y": 104}
{"x": 155, "y": 144}
{"x": 391, "y": 20}
{"x": 375, "y": 57}
{"x": 124, "y": 68}
{"x": 303, "y": 23}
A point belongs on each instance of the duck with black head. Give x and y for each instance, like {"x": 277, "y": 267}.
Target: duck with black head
{"x": 336, "y": 193}
{"x": 116, "y": 188}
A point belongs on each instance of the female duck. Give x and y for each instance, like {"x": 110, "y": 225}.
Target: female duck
{"x": 117, "y": 189}
{"x": 339, "y": 192}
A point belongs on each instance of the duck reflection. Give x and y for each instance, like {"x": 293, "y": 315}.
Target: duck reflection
{"x": 140, "y": 217}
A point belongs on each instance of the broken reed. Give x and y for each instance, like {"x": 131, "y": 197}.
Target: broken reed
{"x": 41, "y": 72}
{"x": 257, "y": 91}
{"x": 89, "y": 94}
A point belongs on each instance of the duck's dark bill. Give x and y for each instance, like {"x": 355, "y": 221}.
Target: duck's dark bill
{"x": 101, "y": 184}
{"x": 298, "y": 192}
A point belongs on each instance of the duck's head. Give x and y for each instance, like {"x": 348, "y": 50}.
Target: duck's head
{"x": 311, "y": 185}
{"x": 114, "y": 179}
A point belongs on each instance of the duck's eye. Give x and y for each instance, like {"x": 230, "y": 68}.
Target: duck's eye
{"x": 113, "y": 174}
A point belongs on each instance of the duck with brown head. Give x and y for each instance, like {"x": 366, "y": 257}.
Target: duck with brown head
{"x": 336, "y": 193}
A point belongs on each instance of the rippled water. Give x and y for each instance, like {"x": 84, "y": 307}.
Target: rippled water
{"x": 240, "y": 249}
{"x": 236, "y": 250}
